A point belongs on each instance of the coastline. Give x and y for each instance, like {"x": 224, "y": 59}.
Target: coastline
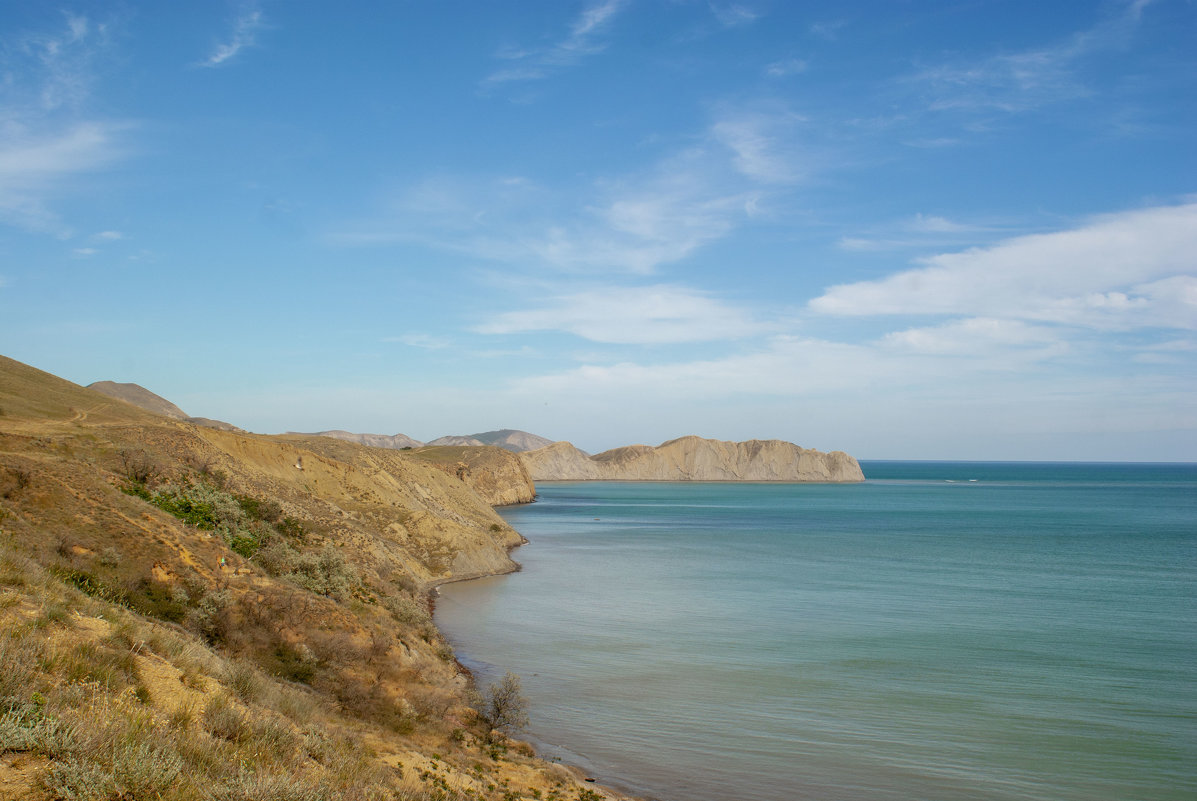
{"x": 549, "y": 752}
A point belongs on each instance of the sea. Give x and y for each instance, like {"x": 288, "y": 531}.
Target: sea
{"x": 943, "y": 630}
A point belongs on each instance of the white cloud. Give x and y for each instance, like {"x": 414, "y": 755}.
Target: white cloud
{"x": 979, "y": 337}
{"x": 583, "y": 39}
{"x": 1134, "y": 269}
{"x": 658, "y": 314}
{"x": 244, "y": 34}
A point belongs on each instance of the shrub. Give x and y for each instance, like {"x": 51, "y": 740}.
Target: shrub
{"x": 145, "y": 771}
{"x": 28, "y": 729}
{"x": 290, "y": 527}
{"x": 270, "y": 787}
{"x": 258, "y": 509}
{"x": 244, "y": 681}
{"x": 74, "y": 779}
{"x": 407, "y": 610}
{"x": 295, "y": 663}
{"x": 223, "y": 720}
{"x": 278, "y": 558}
{"x": 326, "y": 573}
{"x": 502, "y": 707}
{"x": 155, "y": 599}
{"x": 138, "y": 467}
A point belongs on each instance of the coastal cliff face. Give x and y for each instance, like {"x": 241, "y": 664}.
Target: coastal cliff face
{"x": 693, "y": 459}
{"x": 496, "y": 474}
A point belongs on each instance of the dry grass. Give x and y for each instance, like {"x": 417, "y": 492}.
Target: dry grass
{"x": 144, "y": 656}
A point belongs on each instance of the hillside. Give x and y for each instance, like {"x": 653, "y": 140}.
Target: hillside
{"x": 693, "y": 459}
{"x": 141, "y": 397}
{"x": 188, "y": 613}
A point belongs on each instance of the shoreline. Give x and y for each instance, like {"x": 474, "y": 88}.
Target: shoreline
{"x": 567, "y": 758}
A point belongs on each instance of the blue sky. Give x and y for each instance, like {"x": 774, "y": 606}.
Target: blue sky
{"x": 900, "y": 229}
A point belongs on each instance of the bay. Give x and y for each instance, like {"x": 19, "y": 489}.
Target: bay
{"x": 941, "y": 631}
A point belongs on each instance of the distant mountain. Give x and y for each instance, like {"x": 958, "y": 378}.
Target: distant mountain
{"x": 396, "y": 442}
{"x": 505, "y": 438}
{"x": 452, "y": 441}
{"x": 142, "y": 398}
{"x": 693, "y": 459}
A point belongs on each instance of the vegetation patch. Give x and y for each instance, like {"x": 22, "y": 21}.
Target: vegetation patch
{"x": 245, "y": 523}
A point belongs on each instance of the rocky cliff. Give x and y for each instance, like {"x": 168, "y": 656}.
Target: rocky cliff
{"x": 496, "y": 474}
{"x": 693, "y": 459}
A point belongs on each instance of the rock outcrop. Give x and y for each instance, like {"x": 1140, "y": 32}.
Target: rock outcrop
{"x": 693, "y": 459}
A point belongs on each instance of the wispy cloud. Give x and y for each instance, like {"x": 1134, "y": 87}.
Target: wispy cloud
{"x": 56, "y": 69}
{"x": 424, "y": 341}
{"x": 37, "y": 163}
{"x": 633, "y": 223}
{"x": 922, "y": 231}
{"x": 584, "y": 38}
{"x": 46, "y": 138}
{"x": 1128, "y": 270}
{"x": 765, "y": 145}
{"x": 1028, "y": 79}
{"x": 786, "y": 67}
{"x": 656, "y": 314}
{"x": 244, "y": 34}
{"x": 734, "y": 15}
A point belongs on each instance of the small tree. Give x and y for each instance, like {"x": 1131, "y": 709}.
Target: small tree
{"x": 502, "y": 707}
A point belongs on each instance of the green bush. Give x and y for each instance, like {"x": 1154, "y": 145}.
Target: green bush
{"x": 325, "y": 572}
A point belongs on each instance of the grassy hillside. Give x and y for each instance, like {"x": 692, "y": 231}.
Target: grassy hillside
{"x": 190, "y": 613}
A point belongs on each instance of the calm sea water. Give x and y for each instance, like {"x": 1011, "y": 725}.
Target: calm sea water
{"x": 941, "y": 631}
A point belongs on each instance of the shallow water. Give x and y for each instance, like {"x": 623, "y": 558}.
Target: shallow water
{"x": 942, "y": 631}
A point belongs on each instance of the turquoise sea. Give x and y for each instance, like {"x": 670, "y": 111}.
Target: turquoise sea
{"x": 941, "y": 631}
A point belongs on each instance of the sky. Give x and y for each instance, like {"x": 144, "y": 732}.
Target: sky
{"x": 905, "y": 230}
